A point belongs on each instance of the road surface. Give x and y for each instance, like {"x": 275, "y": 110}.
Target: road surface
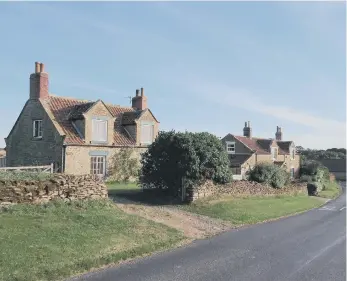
{"x": 310, "y": 246}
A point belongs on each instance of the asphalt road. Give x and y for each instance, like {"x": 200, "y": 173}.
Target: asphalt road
{"x": 310, "y": 246}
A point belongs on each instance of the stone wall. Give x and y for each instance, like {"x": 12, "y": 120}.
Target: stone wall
{"x": 68, "y": 187}
{"x": 243, "y": 188}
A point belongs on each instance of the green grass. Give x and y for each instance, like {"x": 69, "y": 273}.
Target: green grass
{"x": 24, "y": 175}
{"x": 331, "y": 190}
{"x": 122, "y": 186}
{"x": 59, "y": 240}
{"x": 251, "y": 210}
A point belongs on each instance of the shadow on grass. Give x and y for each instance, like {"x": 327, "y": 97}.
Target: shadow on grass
{"x": 148, "y": 197}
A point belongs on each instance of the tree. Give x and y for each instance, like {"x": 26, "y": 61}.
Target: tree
{"x": 194, "y": 157}
{"x": 124, "y": 166}
{"x": 319, "y": 154}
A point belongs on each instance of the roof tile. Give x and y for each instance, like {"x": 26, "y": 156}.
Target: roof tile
{"x": 64, "y": 110}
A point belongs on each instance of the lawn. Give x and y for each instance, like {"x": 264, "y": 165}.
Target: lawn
{"x": 332, "y": 190}
{"x": 59, "y": 240}
{"x": 122, "y": 186}
{"x": 250, "y": 210}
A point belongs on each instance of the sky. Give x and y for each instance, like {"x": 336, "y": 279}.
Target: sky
{"x": 204, "y": 66}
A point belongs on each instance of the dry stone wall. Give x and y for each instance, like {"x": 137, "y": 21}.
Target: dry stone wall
{"x": 68, "y": 187}
{"x": 243, "y": 188}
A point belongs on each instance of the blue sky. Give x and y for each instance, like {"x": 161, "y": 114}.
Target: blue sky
{"x": 205, "y": 66}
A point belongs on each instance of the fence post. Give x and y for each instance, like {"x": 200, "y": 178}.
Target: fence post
{"x": 52, "y": 168}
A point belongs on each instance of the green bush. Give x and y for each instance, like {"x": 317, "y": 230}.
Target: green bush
{"x": 314, "y": 171}
{"x": 270, "y": 174}
{"x": 124, "y": 166}
{"x": 174, "y": 156}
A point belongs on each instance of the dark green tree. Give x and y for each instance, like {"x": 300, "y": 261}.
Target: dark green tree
{"x": 174, "y": 156}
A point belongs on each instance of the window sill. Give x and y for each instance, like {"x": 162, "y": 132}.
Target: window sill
{"x": 98, "y": 142}
{"x": 37, "y": 138}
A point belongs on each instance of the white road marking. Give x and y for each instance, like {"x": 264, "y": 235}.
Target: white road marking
{"x": 327, "y": 208}
{"x": 343, "y": 208}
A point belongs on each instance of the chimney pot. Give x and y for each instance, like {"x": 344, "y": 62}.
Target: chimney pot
{"x": 42, "y": 67}
{"x": 142, "y": 93}
{"x": 137, "y": 92}
{"x": 247, "y": 130}
{"x": 37, "y": 67}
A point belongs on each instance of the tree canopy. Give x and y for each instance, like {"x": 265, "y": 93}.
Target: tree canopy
{"x": 194, "y": 157}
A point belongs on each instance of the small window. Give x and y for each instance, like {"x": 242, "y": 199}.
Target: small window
{"x": 98, "y": 165}
{"x": 37, "y": 129}
{"x": 292, "y": 173}
{"x": 147, "y": 133}
{"x": 274, "y": 152}
{"x": 99, "y": 130}
{"x": 292, "y": 153}
{"x": 230, "y": 147}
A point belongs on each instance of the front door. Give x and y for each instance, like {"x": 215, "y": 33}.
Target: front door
{"x": 292, "y": 173}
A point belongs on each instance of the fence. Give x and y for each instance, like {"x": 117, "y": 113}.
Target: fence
{"x": 3, "y": 161}
{"x": 43, "y": 169}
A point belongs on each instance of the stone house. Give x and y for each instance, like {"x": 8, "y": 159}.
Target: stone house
{"x": 246, "y": 151}
{"x": 78, "y": 136}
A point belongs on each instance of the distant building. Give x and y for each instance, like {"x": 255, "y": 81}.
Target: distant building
{"x": 2, "y": 157}
{"x": 246, "y": 151}
{"x": 336, "y": 167}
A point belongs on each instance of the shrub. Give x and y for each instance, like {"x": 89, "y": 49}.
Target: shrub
{"x": 270, "y": 174}
{"x": 314, "y": 171}
{"x": 194, "y": 157}
{"x": 124, "y": 166}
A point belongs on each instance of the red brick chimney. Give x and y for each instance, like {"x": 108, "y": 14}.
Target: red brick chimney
{"x": 278, "y": 133}
{"x": 139, "y": 102}
{"x": 39, "y": 82}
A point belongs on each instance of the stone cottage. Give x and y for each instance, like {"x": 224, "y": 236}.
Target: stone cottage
{"x": 78, "y": 136}
{"x": 246, "y": 151}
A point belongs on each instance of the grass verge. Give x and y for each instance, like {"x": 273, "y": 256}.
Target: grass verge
{"x": 332, "y": 190}
{"x": 58, "y": 240}
{"x": 250, "y": 210}
{"x": 122, "y": 186}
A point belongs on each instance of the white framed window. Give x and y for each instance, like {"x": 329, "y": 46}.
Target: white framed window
{"x": 292, "y": 153}
{"x": 274, "y": 152}
{"x": 98, "y": 165}
{"x": 230, "y": 147}
{"x": 99, "y": 130}
{"x": 147, "y": 132}
{"x": 37, "y": 129}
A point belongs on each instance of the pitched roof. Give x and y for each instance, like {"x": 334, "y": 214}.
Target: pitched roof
{"x": 238, "y": 159}
{"x": 78, "y": 110}
{"x": 334, "y": 165}
{"x": 262, "y": 145}
{"x": 284, "y": 146}
{"x": 63, "y": 111}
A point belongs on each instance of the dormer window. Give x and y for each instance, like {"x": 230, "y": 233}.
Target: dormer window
{"x": 99, "y": 130}
{"x": 274, "y": 152}
{"x": 292, "y": 153}
{"x": 147, "y": 133}
{"x": 37, "y": 129}
{"x": 230, "y": 147}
